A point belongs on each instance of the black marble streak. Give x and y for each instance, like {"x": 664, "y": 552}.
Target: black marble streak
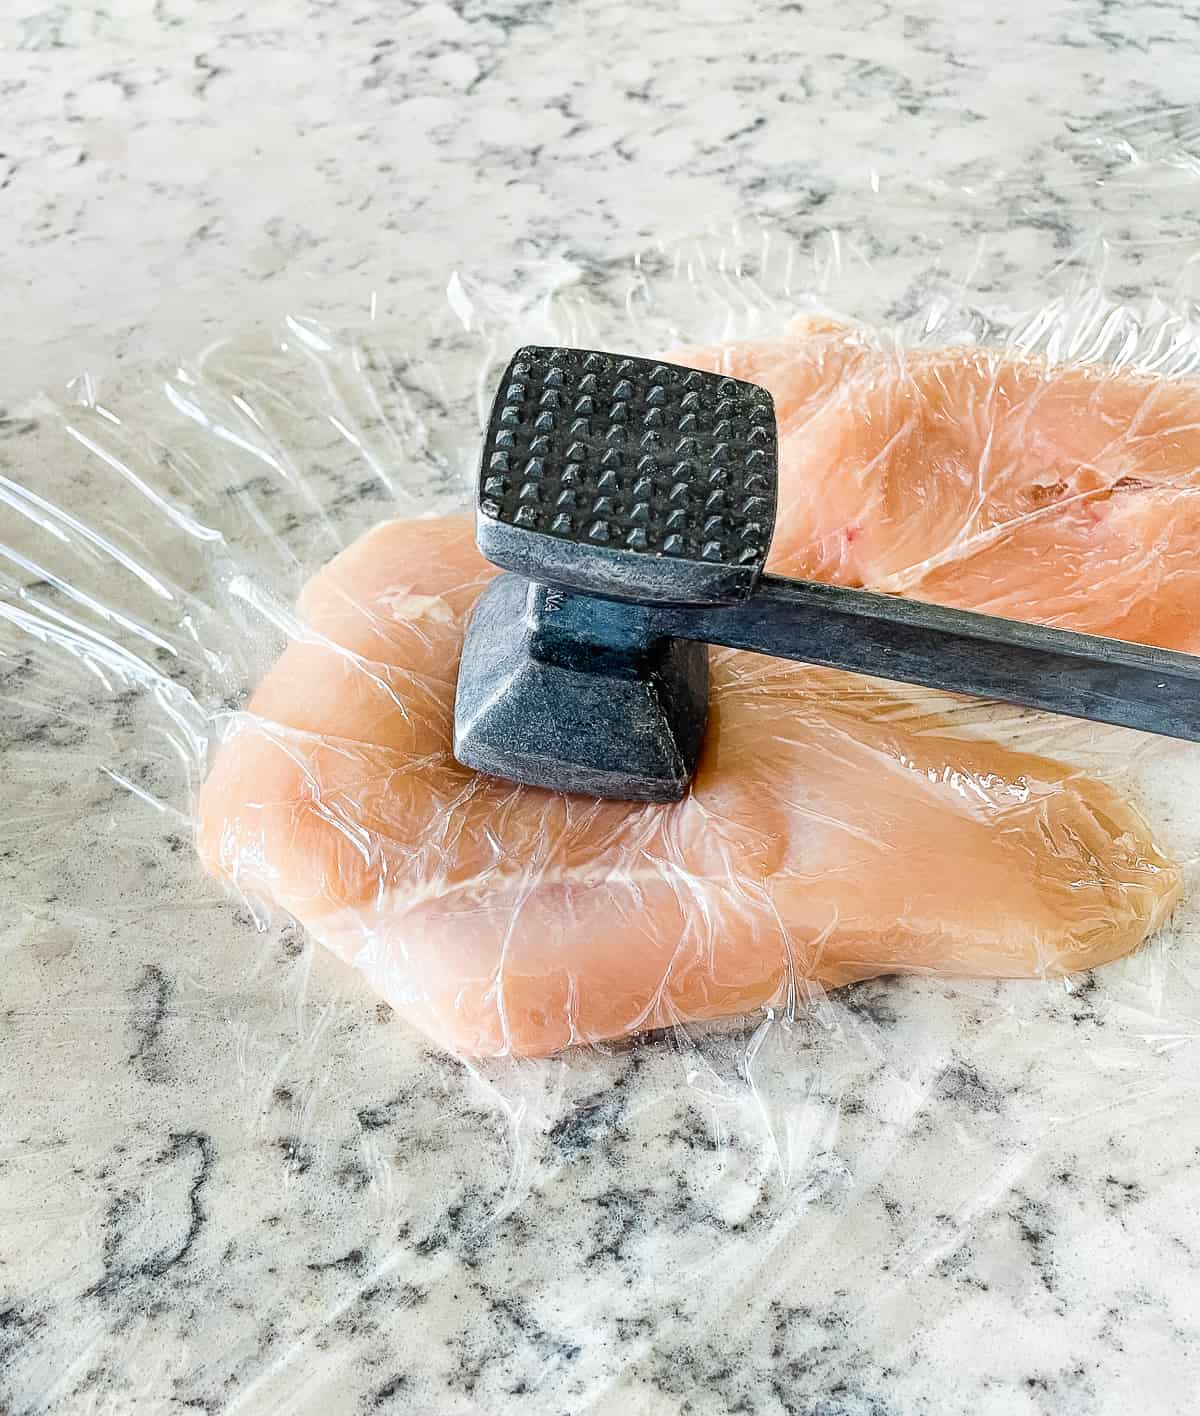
{"x": 121, "y": 1274}
{"x": 149, "y": 1000}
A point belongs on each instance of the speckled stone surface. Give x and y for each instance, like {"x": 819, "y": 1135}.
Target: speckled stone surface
{"x": 232, "y": 1182}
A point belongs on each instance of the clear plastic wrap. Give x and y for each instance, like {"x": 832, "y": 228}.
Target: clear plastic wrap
{"x": 801, "y": 1157}
{"x": 834, "y": 831}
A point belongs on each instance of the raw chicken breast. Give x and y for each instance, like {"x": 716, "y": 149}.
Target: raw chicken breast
{"x": 1067, "y": 496}
{"x": 821, "y": 842}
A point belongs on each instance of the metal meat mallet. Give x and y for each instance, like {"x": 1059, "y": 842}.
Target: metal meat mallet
{"x": 634, "y": 502}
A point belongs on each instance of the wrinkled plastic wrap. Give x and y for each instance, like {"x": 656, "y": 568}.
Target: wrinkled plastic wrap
{"x": 976, "y": 406}
{"x": 833, "y": 832}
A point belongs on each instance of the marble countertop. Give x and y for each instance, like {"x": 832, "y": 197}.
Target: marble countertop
{"x": 232, "y": 1183}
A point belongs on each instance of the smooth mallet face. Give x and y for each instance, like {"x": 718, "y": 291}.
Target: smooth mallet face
{"x": 628, "y": 478}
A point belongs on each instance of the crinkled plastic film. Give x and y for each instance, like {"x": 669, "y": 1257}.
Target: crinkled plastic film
{"x": 722, "y": 975}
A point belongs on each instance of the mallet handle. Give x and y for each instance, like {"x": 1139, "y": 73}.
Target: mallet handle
{"x": 1083, "y": 675}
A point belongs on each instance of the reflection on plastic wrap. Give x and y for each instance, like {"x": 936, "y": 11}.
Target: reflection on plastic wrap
{"x": 980, "y": 423}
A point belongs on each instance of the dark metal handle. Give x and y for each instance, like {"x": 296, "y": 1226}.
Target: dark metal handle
{"x": 1083, "y": 675}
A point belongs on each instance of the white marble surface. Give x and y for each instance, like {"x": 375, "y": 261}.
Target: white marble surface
{"x": 228, "y": 1181}
{"x": 171, "y": 167}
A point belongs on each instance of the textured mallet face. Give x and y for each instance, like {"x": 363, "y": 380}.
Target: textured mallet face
{"x": 628, "y": 477}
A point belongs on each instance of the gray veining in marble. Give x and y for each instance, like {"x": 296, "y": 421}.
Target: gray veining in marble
{"x": 229, "y": 1180}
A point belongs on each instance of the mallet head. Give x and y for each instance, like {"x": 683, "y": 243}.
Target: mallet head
{"x": 628, "y": 478}
{"x": 643, "y": 484}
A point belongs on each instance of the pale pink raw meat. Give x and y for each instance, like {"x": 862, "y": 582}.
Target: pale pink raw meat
{"x": 828, "y": 836}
